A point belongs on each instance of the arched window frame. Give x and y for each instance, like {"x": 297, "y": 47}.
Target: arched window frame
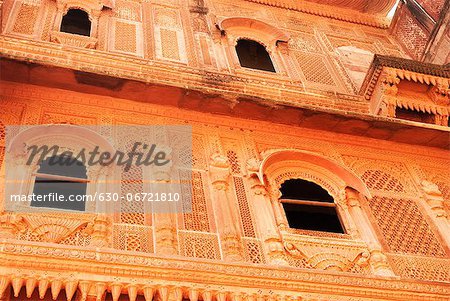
{"x": 283, "y": 171}
{"x": 69, "y": 138}
{"x": 270, "y": 52}
{"x": 235, "y": 29}
{"x": 278, "y": 165}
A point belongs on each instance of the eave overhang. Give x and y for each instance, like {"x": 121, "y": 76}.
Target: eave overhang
{"x": 241, "y": 106}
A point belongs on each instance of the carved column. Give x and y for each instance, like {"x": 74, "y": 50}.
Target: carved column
{"x": 165, "y": 219}
{"x": 378, "y": 260}
{"x": 389, "y": 91}
{"x": 435, "y": 201}
{"x": 228, "y": 224}
{"x": 265, "y": 223}
{"x": 60, "y": 7}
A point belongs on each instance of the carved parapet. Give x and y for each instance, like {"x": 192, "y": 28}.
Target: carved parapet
{"x": 73, "y": 40}
{"x": 55, "y": 228}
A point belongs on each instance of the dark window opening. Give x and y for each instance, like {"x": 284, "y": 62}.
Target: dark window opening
{"x": 412, "y": 115}
{"x": 76, "y": 21}
{"x": 60, "y": 177}
{"x": 309, "y": 207}
{"x": 253, "y": 55}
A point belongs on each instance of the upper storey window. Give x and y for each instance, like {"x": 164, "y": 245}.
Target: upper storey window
{"x": 76, "y": 21}
{"x": 61, "y": 175}
{"x": 309, "y": 207}
{"x": 253, "y": 55}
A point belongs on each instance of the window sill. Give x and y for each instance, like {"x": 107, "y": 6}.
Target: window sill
{"x": 73, "y": 40}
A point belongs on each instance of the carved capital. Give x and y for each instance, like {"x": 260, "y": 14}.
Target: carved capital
{"x": 219, "y": 172}
{"x": 352, "y": 197}
{"x": 380, "y": 263}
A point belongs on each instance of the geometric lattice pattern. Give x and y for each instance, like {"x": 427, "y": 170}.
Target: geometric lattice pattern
{"x": 314, "y": 68}
{"x": 418, "y": 267}
{"x": 169, "y": 44}
{"x": 198, "y": 219}
{"x": 404, "y": 227}
{"x": 125, "y": 37}
{"x": 234, "y": 162}
{"x": 133, "y": 238}
{"x": 199, "y": 245}
{"x": 253, "y": 250}
{"x": 132, "y": 211}
{"x": 379, "y": 180}
{"x": 244, "y": 209}
{"x": 26, "y": 19}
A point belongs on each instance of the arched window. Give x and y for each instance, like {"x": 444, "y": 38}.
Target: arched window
{"x": 253, "y": 55}
{"x": 76, "y": 21}
{"x": 309, "y": 207}
{"x": 60, "y": 176}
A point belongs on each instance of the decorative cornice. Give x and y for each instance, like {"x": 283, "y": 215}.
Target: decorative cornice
{"x": 33, "y": 258}
{"x": 329, "y": 11}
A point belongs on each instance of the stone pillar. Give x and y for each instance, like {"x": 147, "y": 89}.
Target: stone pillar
{"x": 227, "y": 219}
{"x": 389, "y": 91}
{"x": 435, "y": 201}
{"x": 60, "y": 7}
{"x": 165, "y": 219}
{"x": 266, "y": 224}
{"x": 378, "y": 260}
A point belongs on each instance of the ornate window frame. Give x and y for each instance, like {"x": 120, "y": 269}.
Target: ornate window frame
{"x": 281, "y": 165}
{"x": 92, "y": 7}
{"x": 69, "y": 138}
{"x": 272, "y": 38}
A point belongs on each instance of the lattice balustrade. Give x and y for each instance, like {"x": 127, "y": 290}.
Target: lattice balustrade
{"x": 420, "y": 267}
{"x": 78, "y": 238}
{"x": 199, "y": 244}
{"x": 244, "y": 208}
{"x": 198, "y": 219}
{"x": 253, "y": 250}
{"x": 404, "y": 227}
{"x": 133, "y": 238}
